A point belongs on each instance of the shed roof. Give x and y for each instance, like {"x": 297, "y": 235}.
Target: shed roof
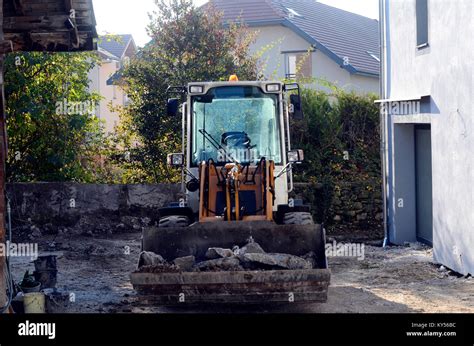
{"x": 49, "y": 25}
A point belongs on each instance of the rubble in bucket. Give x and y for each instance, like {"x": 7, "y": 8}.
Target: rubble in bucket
{"x": 250, "y": 257}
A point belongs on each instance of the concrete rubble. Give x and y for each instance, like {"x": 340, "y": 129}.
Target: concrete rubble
{"x": 216, "y": 253}
{"x": 224, "y": 264}
{"x": 273, "y": 261}
{"x": 251, "y": 247}
{"x": 150, "y": 259}
{"x": 249, "y": 257}
{"x": 185, "y": 263}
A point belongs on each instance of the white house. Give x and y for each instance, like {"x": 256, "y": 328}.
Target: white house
{"x": 343, "y": 46}
{"x": 427, "y": 80}
{"x": 114, "y": 53}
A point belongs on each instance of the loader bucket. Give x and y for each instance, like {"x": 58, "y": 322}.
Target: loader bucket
{"x": 308, "y": 285}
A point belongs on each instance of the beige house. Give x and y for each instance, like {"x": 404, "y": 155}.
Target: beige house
{"x": 305, "y": 38}
{"x": 114, "y": 54}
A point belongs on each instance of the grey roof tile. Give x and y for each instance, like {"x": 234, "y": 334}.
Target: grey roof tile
{"x": 342, "y": 33}
{"x": 115, "y": 46}
{"x": 248, "y": 10}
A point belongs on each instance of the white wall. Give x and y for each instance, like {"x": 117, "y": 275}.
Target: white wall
{"x": 283, "y": 39}
{"x": 444, "y": 70}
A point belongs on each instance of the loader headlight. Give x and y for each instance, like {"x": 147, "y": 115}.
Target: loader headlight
{"x": 196, "y": 89}
{"x": 175, "y": 160}
{"x": 296, "y": 156}
{"x": 273, "y": 88}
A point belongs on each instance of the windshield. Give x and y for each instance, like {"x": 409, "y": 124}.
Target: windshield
{"x": 235, "y": 124}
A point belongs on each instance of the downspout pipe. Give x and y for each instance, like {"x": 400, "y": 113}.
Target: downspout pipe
{"x": 383, "y": 119}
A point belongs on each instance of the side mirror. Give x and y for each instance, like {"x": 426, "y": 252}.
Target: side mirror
{"x": 175, "y": 160}
{"x": 296, "y": 156}
{"x": 172, "y": 107}
{"x": 295, "y": 107}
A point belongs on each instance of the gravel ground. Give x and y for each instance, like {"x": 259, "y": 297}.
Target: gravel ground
{"x": 390, "y": 280}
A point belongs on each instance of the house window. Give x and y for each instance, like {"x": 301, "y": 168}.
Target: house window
{"x": 298, "y": 65}
{"x": 421, "y": 23}
{"x": 291, "y": 68}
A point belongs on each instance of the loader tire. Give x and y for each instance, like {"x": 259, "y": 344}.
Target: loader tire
{"x": 298, "y": 218}
{"x": 173, "y": 221}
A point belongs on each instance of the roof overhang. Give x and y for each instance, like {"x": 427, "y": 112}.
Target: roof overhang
{"x": 367, "y": 74}
{"x": 403, "y": 99}
{"x": 115, "y": 78}
{"x": 107, "y": 55}
{"x": 53, "y": 25}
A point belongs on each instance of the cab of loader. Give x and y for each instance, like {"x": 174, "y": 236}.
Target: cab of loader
{"x": 236, "y": 160}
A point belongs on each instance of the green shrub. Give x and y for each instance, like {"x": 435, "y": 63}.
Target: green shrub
{"x": 340, "y": 137}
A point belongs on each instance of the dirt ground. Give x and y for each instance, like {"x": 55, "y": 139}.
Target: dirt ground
{"x": 387, "y": 280}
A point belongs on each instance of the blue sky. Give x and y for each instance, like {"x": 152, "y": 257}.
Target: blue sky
{"x": 131, "y": 16}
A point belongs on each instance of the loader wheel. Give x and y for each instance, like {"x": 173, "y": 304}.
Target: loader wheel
{"x": 173, "y": 221}
{"x": 298, "y": 218}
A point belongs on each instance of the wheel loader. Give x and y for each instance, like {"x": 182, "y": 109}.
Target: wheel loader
{"x": 236, "y": 170}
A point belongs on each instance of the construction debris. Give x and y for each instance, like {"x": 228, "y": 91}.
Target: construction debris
{"x": 216, "y": 253}
{"x": 273, "y": 261}
{"x": 249, "y": 257}
{"x": 185, "y": 263}
{"x": 150, "y": 259}
{"x": 160, "y": 268}
{"x": 221, "y": 264}
{"x": 311, "y": 258}
{"x": 251, "y": 247}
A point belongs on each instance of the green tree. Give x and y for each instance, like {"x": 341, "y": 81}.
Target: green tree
{"x": 53, "y": 133}
{"x": 188, "y": 44}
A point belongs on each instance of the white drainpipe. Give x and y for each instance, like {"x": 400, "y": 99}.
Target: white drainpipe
{"x": 383, "y": 118}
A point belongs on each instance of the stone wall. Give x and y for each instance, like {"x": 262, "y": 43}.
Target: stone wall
{"x": 357, "y": 205}
{"x": 53, "y": 208}
{"x": 346, "y": 207}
